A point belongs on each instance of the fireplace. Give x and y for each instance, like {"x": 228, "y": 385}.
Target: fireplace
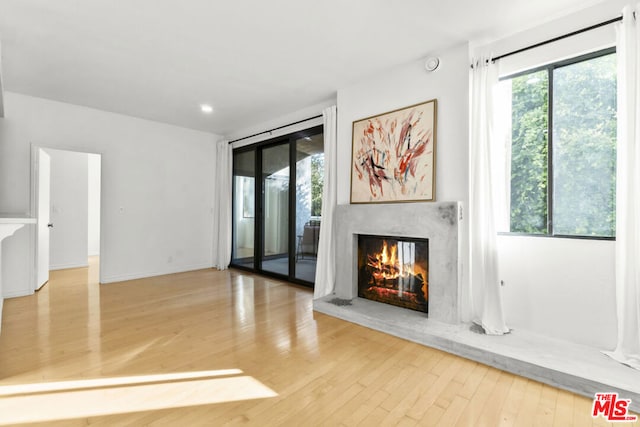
{"x": 435, "y": 222}
{"x": 394, "y": 270}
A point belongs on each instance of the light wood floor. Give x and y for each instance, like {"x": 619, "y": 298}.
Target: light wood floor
{"x": 288, "y": 365}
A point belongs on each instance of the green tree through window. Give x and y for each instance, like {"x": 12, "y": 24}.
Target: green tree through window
{"x": 529, "y": 106}
{"x": 317, "y": 181}
{"x": 565, "y": 185}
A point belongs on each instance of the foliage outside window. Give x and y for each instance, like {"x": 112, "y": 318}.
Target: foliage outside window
{"x": 563, "y": 152}
{"x": 317, "y": 181}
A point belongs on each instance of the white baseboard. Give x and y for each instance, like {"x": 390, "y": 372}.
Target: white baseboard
{"x": 67, "y": 266}
{"x": 18, "y": 293}
{"x": 1, "y": 306}
{"x": 134, "y": 276}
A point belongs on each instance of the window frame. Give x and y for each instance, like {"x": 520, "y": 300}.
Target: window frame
{"x": 550, "y": 67}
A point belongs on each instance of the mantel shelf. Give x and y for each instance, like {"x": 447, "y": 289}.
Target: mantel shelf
{"x": 9, "y": 224}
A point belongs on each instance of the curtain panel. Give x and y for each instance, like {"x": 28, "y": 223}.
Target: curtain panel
{"x": 628, "y": 192}
{"x": 222, "y": 206}
{"x": 325, "y": 267}
{"x": 485, "y": 179}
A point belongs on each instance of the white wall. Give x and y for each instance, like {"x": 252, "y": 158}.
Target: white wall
{"x": 560, "y": 287}
{"x": 407, "y": 85}
{"x": 69, "y": 209}
{"x": 93, "y": 165}
{"x": 157, "y": 186}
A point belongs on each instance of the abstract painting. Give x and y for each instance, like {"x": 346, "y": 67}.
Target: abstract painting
{"x": 393, "y": 157}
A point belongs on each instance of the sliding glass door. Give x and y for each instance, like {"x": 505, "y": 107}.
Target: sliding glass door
{"x": 275, "y": 209}
{"x": 309, "y": 168}
{"x": 244, "y": 212}
{"x": 278, "y": 206}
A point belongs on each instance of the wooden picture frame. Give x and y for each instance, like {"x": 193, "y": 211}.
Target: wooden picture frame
{"x": 394, "y": 154}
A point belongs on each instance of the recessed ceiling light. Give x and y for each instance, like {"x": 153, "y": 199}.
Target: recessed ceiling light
{"x": 206, "y": 108}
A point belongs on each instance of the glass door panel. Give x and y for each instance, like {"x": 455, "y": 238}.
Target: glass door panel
{"x": 275, "y": 205}
{"x": 244, "y": 184}
{"x": 309, "y": 182}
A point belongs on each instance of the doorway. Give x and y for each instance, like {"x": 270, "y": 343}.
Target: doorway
{"x": 277, "y": 205}
{"x": 67, "y": 205}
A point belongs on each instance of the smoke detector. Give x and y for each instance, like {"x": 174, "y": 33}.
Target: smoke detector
{"x": 432, "y": 63}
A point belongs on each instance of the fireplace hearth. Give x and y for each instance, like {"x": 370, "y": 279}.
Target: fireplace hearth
{"x": 394, "y": 270}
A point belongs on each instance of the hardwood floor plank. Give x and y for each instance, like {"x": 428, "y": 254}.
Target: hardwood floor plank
{"x": 407, "y": 422}
{"x": 471, "y": 414}
{"x": 404, "y": 390}
{"x": 453, "y": 412}
{"x": 547, "y": 406}
{"x": 429, "y": 397}
{"x": 582, "y": 411}
{"x": 473, "y": 381}
{"x": 360, "y": 410}
{"x": 321, "y": 370}
{"x": 411, "y": 399}
{"x": 491, "y": 414}
{"x": 531, "y": 402}
{"x": 513, "y": 402}
{"x": 563, "y": 415}
{"x": 432, "y": 416}
{"x": 374, "y": 418}
{"x": 448, "y": 395}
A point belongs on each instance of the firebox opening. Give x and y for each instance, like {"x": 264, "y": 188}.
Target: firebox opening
{"x": 394, "y": 270}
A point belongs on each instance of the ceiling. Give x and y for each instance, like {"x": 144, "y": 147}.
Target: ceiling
{"x": 252, "y": 60}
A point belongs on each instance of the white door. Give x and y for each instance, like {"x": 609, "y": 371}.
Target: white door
{"x": 43, "y": 171}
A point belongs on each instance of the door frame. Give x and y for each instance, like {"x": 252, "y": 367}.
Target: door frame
{"x": 36, "y": 174}
{"x": 33, "y": 208}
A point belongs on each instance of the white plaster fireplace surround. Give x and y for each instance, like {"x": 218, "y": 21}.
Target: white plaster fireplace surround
{"x": 438, "y": 222}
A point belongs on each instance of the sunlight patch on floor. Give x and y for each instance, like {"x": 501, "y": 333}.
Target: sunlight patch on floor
{"x": 106, "y": 396}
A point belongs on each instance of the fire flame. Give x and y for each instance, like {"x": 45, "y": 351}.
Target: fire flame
{"x": 397, "y": 273}
{"x": 386, "y": 264}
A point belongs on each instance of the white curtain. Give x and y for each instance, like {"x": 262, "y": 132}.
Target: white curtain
{"x": 486, "y": 177}
{"x": 325, "y": 268}
{"x": 222, "y": 206}
{"x": 628, "y": 193}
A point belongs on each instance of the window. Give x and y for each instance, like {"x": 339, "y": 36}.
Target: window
{"x": 563, "y": 148}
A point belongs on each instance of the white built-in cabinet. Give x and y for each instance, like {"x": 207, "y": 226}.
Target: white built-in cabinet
{"x": 9, "y": 224}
